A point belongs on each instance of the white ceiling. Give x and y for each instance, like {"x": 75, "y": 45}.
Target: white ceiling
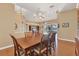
{"x": 48, "y": 10}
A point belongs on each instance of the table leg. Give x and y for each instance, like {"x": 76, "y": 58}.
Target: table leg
{"x": 25, "y": 52}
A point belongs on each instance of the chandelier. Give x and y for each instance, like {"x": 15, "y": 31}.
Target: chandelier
{"x": 40, "y": 15}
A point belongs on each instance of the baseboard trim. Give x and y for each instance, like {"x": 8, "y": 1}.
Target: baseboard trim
{"x": 6, "y": 47}
{"x": 67, "y": 40}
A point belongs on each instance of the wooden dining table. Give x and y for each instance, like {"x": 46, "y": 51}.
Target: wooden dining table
{"x": 28, "y": 42}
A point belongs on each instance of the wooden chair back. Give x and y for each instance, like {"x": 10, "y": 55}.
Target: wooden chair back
{"x": 16, "y": 46}
{"x": 52, "y": 37}
{"x": 48, "y": 39}
{"x": 43, "y": 45}
{"x": 51, "y": 43}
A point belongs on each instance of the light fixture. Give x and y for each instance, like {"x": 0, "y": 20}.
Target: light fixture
{"x": 34, "y": 15}
{"x": 51, "y": 6}
{"x": 39, "y": 15}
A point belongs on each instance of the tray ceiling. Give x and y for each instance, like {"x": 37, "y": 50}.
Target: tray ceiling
{"x": 38, "y": 12}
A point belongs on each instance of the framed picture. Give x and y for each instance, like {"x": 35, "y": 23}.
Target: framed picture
{"x": 65, "y": 25}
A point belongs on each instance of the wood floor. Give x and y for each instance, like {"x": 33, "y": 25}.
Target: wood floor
{"x": 65, "y": 48}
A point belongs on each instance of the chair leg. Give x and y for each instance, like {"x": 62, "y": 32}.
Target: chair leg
{"x": 15, "y": 54}
{"x": 47, "y": 51}
{"x": 76, "y": 52}
{"x": 18, "y": 51}
{"x": 25, "y": 52}
{"x": 31, "y": 52}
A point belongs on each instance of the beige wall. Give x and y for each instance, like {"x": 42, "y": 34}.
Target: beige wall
{"x": 7, "y": 17}
{"x": 70, "y": 17}
{"x": 18, "y": 18}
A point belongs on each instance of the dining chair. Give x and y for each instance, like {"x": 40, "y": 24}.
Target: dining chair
{"x": 18, "y": 49}
{"x": 77, "y": 46}
{"x": 41, "y": 48}
{"x": 51, "y": 43}
{"x": 46, "y": 45}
